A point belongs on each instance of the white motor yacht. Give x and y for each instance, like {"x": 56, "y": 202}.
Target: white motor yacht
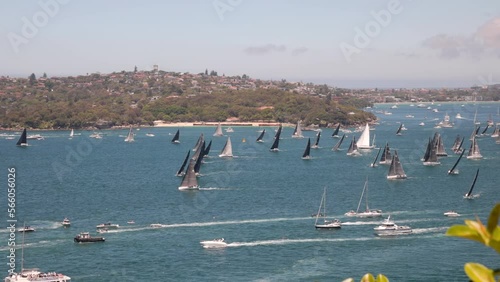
{"x": 216, "y": 243}
{"x": 389, "y": 228}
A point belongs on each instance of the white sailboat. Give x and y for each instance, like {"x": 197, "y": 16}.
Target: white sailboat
{"x": 368, "y": 212}
{"x": 227, "y": 151}
{"x": 71, "y": 134}
{"x": 327, "y": 224}
{"x": 130, "y": 136}
{"x": 218, "y": 130}
{"x": 364, "y": 139}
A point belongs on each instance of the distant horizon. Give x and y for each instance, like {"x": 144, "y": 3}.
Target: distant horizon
{"x": 352, "y": 44}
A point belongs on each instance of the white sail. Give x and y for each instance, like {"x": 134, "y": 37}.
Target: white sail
{"x": 227, "y": 151}
{"x": 474, "y": 152}
{"x": 72, "y": 133}
{"x": 130, "y": 136}
{"x": 364, "y": 139}
{"x": 218, "y": 131}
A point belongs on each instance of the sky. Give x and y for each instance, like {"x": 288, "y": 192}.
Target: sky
{"x": 354, "y": 44}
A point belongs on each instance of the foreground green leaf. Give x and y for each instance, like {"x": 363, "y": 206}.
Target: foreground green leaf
{"x": 478, "y": 272}
{"x": 493, "y": 219}
{"x": 464, "y": 231}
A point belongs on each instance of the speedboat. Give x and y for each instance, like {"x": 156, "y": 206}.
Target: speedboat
{"x": 156, "y": 225}
{"x": 130, "y": 222}
{"x": 421, "y": 124}
{"x": 216, "y": 243}
{"x": 84, "y": 237}
{"x": 389, "y": 228}
{"x": 150, "y": 135}
{"x": 229, "y": 129}
{"x": 66, "y": 222}
{"x": 108, "y": 226}
{"x": 35, "y": 137}
{"x": 102, "y": 230}
{"x": 26, "y": 229}
{"x": 34, "y": 274}
{"x": 329, "y": 224}
{"x": 451, "y": 214}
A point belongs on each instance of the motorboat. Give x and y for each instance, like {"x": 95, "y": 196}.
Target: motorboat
{"x": 130, "y": 222}
{"x": 421, "y": 124}
{"x": 34, "y": 137}
{"x": 389, "y": 228}
{"x": 229, "y": 129}
{"x": 156, "y": 225}
{"x": 451, "y": 214}
{"x": 26, "y": 229}
{"x": 329, "y": 224}
{"x": 216, "y": 243}
{"x": 34, "y": 274}
{"x": 66, "y": 222}
{"x": 102, "y": 230}
{"x": 150, "y": 135}
{"x": 108, "y": 226}
{"x": 84, "y": 237}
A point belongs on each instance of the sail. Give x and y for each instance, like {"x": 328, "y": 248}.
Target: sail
{"x": 440, "y": 151}
{"x": 386, "y": 157}
{"x": 399, "y": 129}
{"x": 176, "y": 137}
{"x": 496, "y": 132}
{"x": 227, "y": 151}
{"x": 396, "y": 169}
{"x": 316, "y": 143}
{"x": 485, "y": 129}
{"x": 261, "y": 136}
{"x": 297, "y": 133}
{"x": 430, "y": 157}
{"x": 353, "y": 148}
{"x": 276, "y": 142}
{"x": 469, "y": 194}
{"x": 199, "y": 158}
{"x": 72, "y": 133}
{"x": 130, "y": 136}
{"x": 452, "y": 170}
{"x": 218, "y": 130}
{"x": 307, "y": 151}
{"x": 459, "y": 149}
{"x": 207, "y": 149}
{"x": 198, "y": 143}
{"x": 474, "y": 152}
{"x": 336, "y": 131}
{"x": 374, "y": 163}
{"x": 456, "y": 144}
{"x": 364, "y": 139}
{"x": 337, "y": 146}
{"x": 189, "y": 181}
{"x": 180, "y": 172}
{"x": 23, "y": 140}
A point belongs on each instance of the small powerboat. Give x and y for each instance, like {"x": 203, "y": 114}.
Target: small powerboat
{"x": 85, "y": 237}
{"x": 451, "y": 214}
{"x": 66, "y": 222}
{"x": 27, "y": 229}
{"x": 216, "y": 243}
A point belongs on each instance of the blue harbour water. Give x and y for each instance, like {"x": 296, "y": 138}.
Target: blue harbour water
{"x": 260, "y": 202}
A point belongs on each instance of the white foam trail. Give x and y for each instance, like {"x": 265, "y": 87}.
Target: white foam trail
{"x": 216, "y": 188}
{"x": 361, "y": 223}
{"x": 294, "y": 241}
{"x": 429, "y": 230}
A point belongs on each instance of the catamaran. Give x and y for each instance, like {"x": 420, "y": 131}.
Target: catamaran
{"x": 274, "y": 147}
{"x": 364, "y": 139}
{"x": 474, "y": 152}
{"x": 261, "y": 136}
{"x": 175, "y": 140}
{"x": 297, "y": 133}
{"x": 469, "y": 194}
{"x": 189, "y": 181}
{"x": 453, "y": 170}
{"x": 218, "y": 130}
{"x": 316, "y": 143}
{"x": 227, "y": 151}
{"x": 23, "y": 140}
{"x": 337, "y": 146}
{"x": 396, "y": 169}
{"x": 130, "y": 136}
{"x": 307, "y": 151}
{"x": 327, "y": 224}
{"x": 368, "y": 212}
{"x": 386, "y": 157}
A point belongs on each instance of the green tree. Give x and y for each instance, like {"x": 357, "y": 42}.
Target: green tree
{"x": 32, "y": 79}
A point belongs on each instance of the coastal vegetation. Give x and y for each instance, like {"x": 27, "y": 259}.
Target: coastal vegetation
{"x": 140, "y": 98}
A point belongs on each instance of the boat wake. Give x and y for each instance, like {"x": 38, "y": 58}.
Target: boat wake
{"x": 40, "y": 244}
{"x": 294, "y": 241}
{"x": 430, "y": 230}
{"x": 216, "y": 188}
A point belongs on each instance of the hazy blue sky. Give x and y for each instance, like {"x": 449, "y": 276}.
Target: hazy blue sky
{"x": 423, "y": 43}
